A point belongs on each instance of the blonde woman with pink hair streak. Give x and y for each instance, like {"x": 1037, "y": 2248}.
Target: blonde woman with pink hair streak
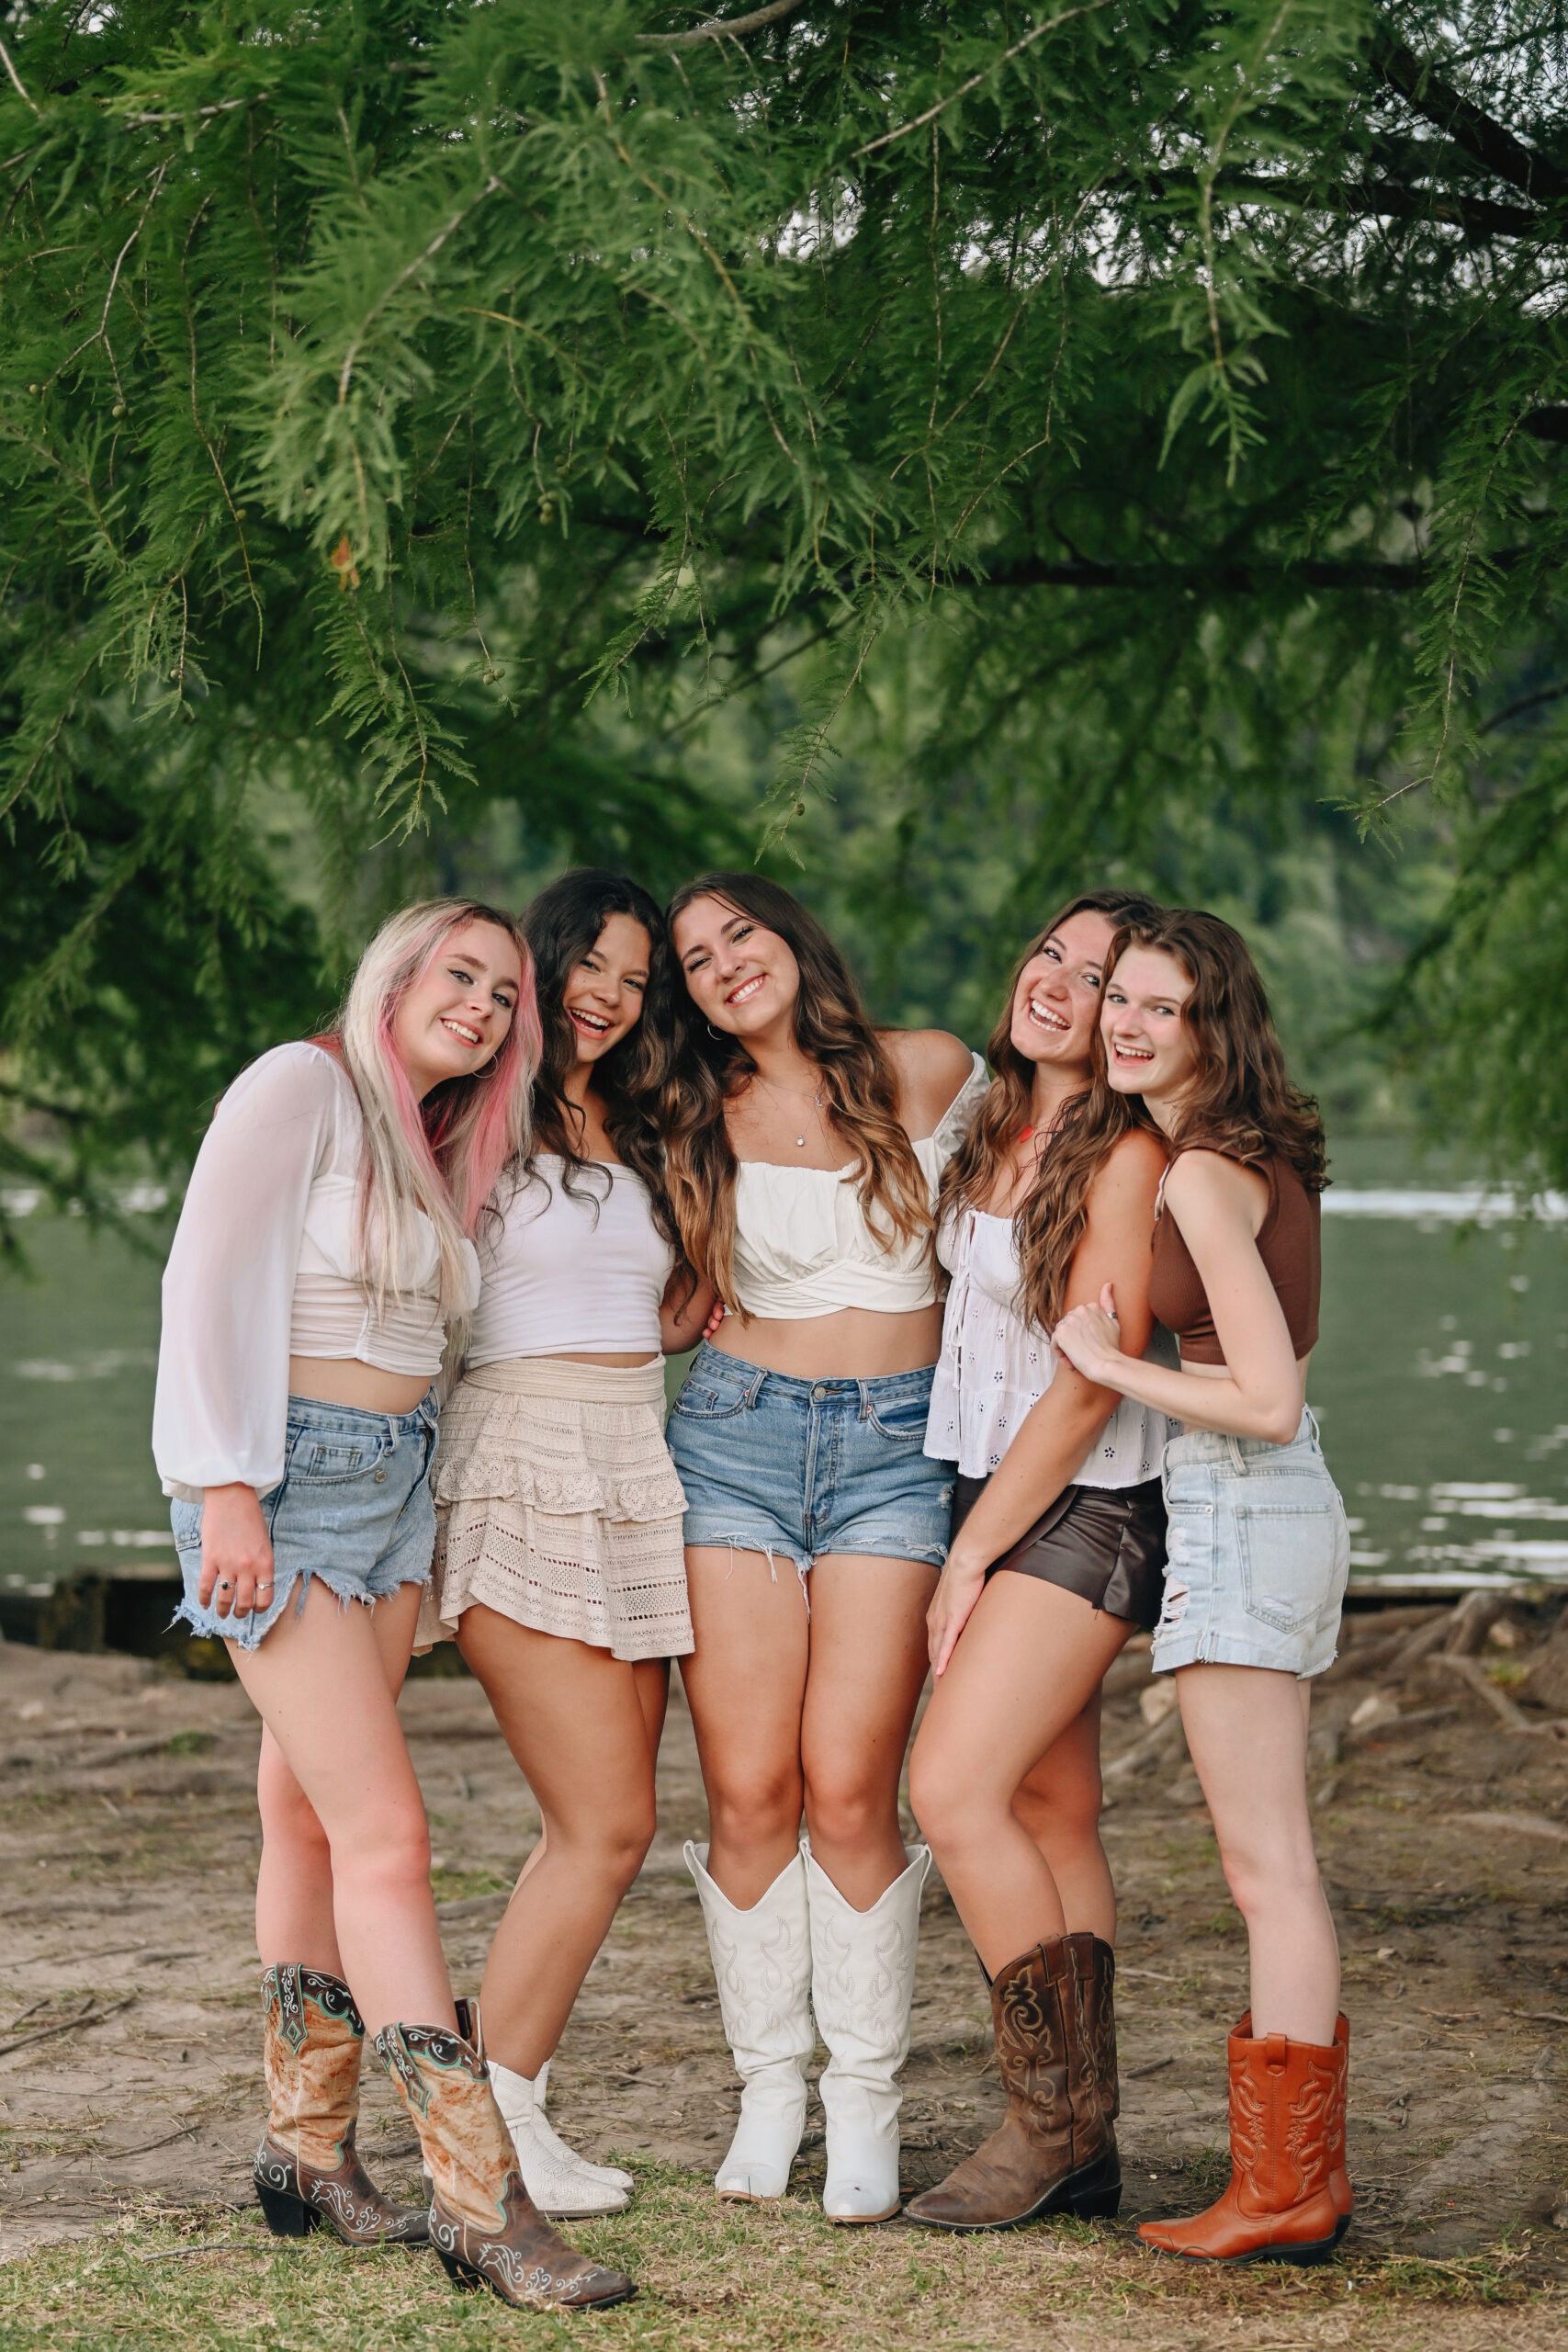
{"x": 323, "y": 1252}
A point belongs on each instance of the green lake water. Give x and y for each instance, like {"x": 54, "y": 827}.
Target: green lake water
{"x": 1440, "y": 1382}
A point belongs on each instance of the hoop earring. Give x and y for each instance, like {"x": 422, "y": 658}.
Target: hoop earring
{"x": 717, "y": 1032}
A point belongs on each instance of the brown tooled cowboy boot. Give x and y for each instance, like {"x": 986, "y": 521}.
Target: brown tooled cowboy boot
{"x": 483, "y": 2223}
{"x": 1055, "y": 2151}
{"x": 1287, "y": 2116}
{"x": 308, "y": 2170}
{"x": 1094, "y": 1979}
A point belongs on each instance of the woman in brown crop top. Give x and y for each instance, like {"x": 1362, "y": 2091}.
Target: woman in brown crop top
{"x": 1259, "y": 1548}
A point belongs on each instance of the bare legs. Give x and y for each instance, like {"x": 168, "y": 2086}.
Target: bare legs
{"x": 1246, "y": 1730}
{"x": 1020, "y": 1699}
{"x": 344, "y": 1883}
{"x": 795, "y": 1716}
{"x": 575, "y": 1720}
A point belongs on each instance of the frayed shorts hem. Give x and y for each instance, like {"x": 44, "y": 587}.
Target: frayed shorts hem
{"x": 249, "y": 1633}
{"x": 872, "y": 1543}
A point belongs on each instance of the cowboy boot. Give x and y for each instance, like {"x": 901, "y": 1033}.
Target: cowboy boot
{"x": 1287, "y": 2111}
{"x": 1094, "y": 1982}
{"x": 762, "y": 1960}
{"x": 1054, "y": 2151}
{"x": 307, "y": 2168}
{"x": 611, "y": 2175}
{"x": 483, "y": 2223}
{"x": 862, "y": 1980}
{"x": 558, "y": 2180}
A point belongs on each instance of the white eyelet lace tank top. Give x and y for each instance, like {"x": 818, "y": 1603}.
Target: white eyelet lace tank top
{"x": 995, "y": 1367}
{"x": 804, "y": 1245}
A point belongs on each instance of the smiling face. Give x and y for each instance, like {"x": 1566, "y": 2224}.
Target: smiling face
{"x": 603, "y": 995}
{"x": 1058, "y": 1000}
{"x": 1149, "y": 1049}
{"x": 457, "y": 1014}
{"x": 742, "y": 977}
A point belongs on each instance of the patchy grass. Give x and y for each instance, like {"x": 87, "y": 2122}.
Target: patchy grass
{"x": 745, "y": 2279}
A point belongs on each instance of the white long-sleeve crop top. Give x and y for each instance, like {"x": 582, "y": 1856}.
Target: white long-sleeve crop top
{"x": 565, "y": 1276}
{"x": 802, "y": 1243}
{"x": 266, "y": 1265}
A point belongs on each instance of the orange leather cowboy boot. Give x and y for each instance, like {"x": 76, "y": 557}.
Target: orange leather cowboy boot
{"x": 1289, "y": 2198}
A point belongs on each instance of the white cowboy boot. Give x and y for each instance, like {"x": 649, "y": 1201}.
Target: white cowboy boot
{"x": 559, "y": 2182}
{"x": 762, "y": 1959}
{"x": 611, "y": 2175}
{"x": 862, "y": 1980}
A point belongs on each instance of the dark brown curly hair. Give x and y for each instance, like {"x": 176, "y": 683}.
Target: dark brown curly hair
{"x": 710, "y": 1068}
{"x": 561, "y": 926}
{"x": 1243, "y": 1105}
{"x": 1049, "y": 1222}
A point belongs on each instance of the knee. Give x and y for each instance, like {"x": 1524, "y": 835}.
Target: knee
{"x": 390, "y": 1852}
{"x": 1260, "y": 1882}
{"x": 619, "y": 1842}
{"x": 844, "y": 1810}
{"x": 1063, "y": 1812}
{"x": 759, "y": 1805}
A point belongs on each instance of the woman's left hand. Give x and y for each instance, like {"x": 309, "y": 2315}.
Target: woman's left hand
{"x": 1090, "y": 1338}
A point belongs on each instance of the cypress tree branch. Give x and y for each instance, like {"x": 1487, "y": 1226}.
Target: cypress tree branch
{"x": 1476, "y": 216}
{"x": 1470, "y": 126}
{"x": 725, "y": 28}
{"x": 1209, "y": 579}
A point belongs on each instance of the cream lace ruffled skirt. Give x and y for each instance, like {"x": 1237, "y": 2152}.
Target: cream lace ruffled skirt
{"x": 557, "y": 1505}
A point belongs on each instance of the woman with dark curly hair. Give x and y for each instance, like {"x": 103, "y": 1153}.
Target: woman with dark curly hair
{"x": 1258, "y": 1546}
{"x": 558, "y": 1561}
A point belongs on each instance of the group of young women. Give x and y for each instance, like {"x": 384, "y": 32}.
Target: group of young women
{"x": 548, "y": 1154}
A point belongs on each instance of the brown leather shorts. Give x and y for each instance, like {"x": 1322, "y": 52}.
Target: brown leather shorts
{"x": 1106, "y": 1543}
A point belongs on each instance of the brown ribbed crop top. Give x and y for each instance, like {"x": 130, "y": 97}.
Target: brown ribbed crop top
{"x": 1289, "y": 1244}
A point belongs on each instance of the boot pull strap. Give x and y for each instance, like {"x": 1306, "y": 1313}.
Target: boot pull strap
{"x": 1276, "y": 2053}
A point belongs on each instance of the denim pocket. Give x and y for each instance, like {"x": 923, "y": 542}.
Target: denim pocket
{"x": 1288, "y": 1560}
{"x": 184, "y": 1519}
{"x": 902, "y": 1418}
{"x": 703, "y": 1397}
{"x": 326, "y": 1457}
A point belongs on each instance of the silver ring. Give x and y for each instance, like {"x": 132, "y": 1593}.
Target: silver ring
{"x": 224, "y": 1585}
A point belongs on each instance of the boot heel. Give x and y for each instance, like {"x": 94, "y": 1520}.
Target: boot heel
{"x": 1098, "y": 2204}
{"x": 462, "y": 2274}
{"x": 286, "y": 2217}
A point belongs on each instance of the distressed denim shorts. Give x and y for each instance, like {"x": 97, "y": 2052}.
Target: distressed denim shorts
{"x": 354, "y": 1507}
{"x": 774, "y": 1464}
{"x": 1257, "y": 1553}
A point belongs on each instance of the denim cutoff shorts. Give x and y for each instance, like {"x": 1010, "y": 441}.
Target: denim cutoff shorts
{"x": 773, "y": 1465}
{"x": 354, "y": 1507}
{"x": 1258, "y": 1553}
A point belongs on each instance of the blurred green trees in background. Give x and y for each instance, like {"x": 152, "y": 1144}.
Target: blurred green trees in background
{"x": 956, "y": 452}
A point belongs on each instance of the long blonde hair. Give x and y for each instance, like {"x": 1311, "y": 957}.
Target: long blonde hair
{"x": 1050, "y": 1221}
{"x": 711, "y": 1067}
{"x": 440, "y": 1157}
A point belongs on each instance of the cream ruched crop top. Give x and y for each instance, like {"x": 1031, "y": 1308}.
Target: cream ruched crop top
{"x": 803, "y": 1244}
{"x": 265, "y": 1266}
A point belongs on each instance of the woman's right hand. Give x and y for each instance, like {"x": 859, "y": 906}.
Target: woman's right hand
{"x": 958, "y": 1589}
{"x": 236, "y": 1558}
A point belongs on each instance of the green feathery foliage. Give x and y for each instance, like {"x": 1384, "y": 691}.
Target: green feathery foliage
{"x": 404, "y": 410}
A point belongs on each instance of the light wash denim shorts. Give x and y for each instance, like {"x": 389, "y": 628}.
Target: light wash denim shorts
{"x": 1258, "y": 1553}
{"x": 773, "y": 1465}
{"x": 354, "y": 1507}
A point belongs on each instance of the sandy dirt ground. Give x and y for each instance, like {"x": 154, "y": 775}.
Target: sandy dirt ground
{"x": 130, "y": 2071}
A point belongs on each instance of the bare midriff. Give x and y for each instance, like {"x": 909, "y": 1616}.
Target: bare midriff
{"x": 1222, "y": 1372}
{"x": 344, "y": 1380}
{"x": 855, "y": 1343}
{"x": 617, "y": 1363}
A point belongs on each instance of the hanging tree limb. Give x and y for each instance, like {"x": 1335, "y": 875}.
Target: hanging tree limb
{"x": 1470, "y": 126}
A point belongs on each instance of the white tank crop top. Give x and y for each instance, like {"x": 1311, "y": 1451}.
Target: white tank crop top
{"x": 995, "y": 1368}
{"x": 803, "y": 1245}
{"x": 265, "y": 1266}
{"x": 564, "y": 1276}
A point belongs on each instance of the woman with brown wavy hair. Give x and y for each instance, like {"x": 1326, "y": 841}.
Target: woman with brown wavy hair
{"x": 1058, "y": 1547}
{"x": 805, "y": 1148}
{"x": 1259, "y": 1547}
